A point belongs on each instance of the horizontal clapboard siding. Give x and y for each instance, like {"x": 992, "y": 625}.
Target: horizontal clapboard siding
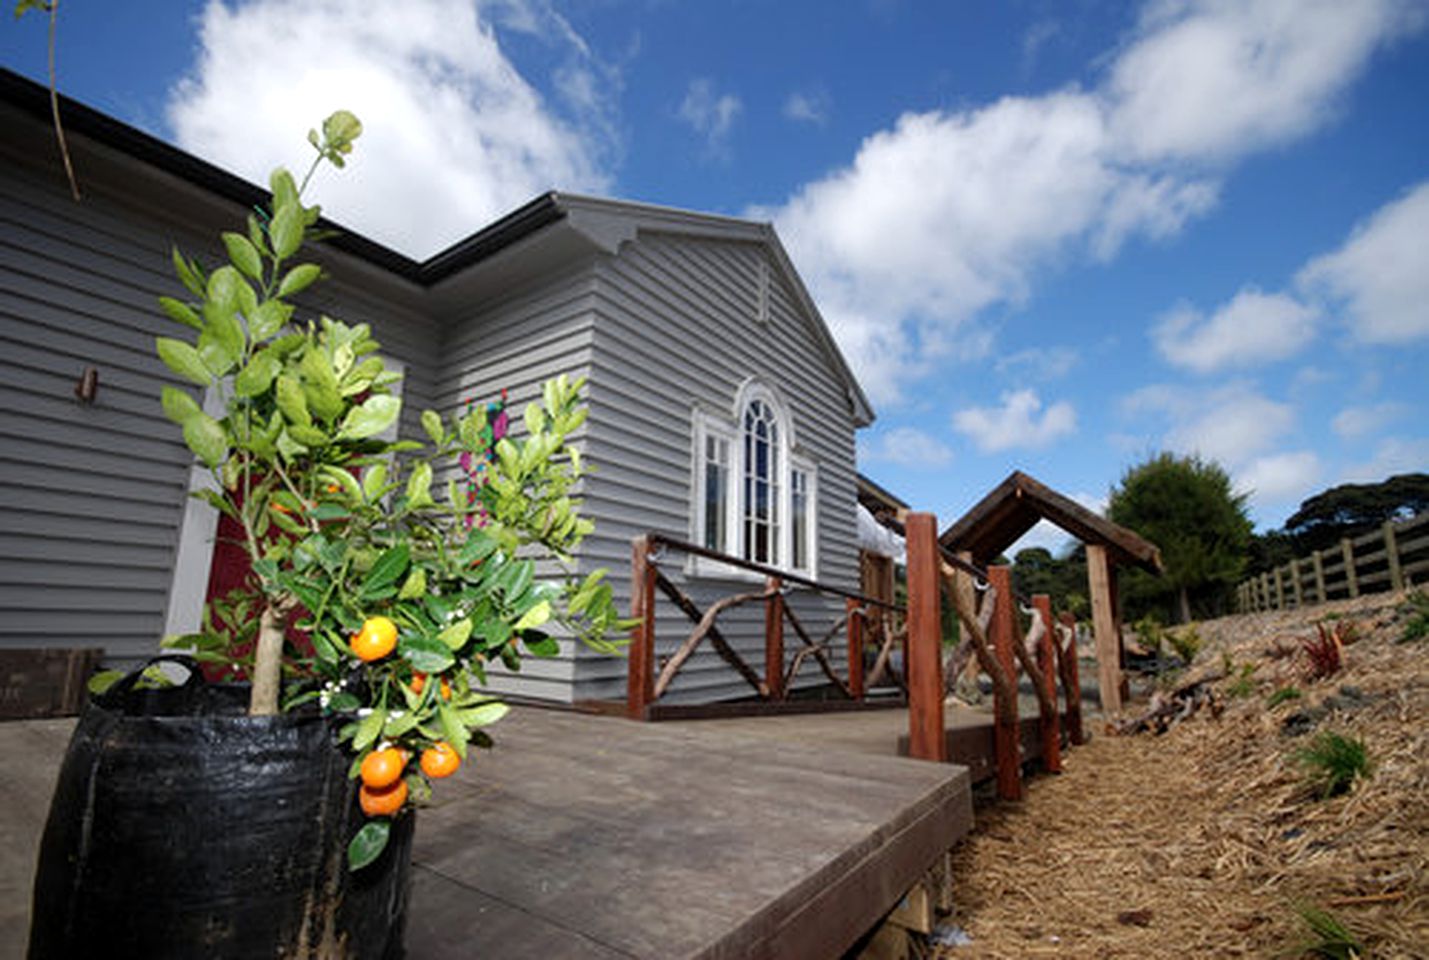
{"x": 517, "y": 341}
{"x": 677, "y": 327}
{"x": 91, "y": 497}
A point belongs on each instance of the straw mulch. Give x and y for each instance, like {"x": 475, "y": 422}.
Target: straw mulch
{"x": 1202, "y": 842}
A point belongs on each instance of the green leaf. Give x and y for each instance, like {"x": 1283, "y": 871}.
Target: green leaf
{"x": 243, "y": 254}
{"x": 369, "y": 728}
{"x": 535, "y": 419}
{"x": 285, "y": 189}
{"x": 340, "y": 129}
{"x": 376, "y": 413}
{"x": 103, "y": 680}
{"x": 343, "y": 702}
{"x": 374, "y": 480}
{"x": 419, "y": 485}
{"x": 483, "y": 715}
{"x": 299, "y": 279}
{"x": 180, "y": 311}
{"x": 424, "y": 653}
{"x": 184, "y": 360}
{"x": 456, "y": 634}
{"x": 179, "y": 405}
{"x": 535, "y": 617}
{"x": 368, "y": 843}
{"x": 415, "y": 585}
{"x": 307, "y": 435}
{"x": 320, "y": 384}
{"x": 189, "y": 276}
{"x": 292, "y": 401}
{"x": 286, "y": 230}
{"x": 268, "y": 319}
{"x": 455, "y": 730}
{"x": 257, "y": 376}
{"x": 397, "y": 726}
{"x": 541, "y": 645}
{"x": 222, "y": 329}
{"x": 384, "y": 573}
{"x": 432, "y": 423}
{"x": 205, "y": 438}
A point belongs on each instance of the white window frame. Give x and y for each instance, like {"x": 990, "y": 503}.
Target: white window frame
{"x": 729, "y": 428}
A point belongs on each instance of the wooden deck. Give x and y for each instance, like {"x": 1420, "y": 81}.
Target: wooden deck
{"x": 589, "y": 836}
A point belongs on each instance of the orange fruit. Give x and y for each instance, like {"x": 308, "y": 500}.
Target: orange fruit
{"x": 383, "y": 801}
{"x": 376, "y": 639}
{"x": 440, "y": 760}
{"x": 419, "y": 683}
{"x": 382, "y": 768}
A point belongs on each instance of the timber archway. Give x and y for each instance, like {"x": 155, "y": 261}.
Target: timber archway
{"x": 1013, "y": 507}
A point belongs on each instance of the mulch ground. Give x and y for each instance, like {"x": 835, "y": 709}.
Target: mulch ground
{"x": 1206, "y": 841}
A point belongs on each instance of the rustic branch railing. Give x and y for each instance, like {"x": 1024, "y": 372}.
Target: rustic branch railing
{"x": 931, "y": 568}
{"x": 863, "y": 617}
{"x": 1390, "y": 558}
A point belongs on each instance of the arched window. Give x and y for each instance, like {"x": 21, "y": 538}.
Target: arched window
{"x": 755, "y": 491}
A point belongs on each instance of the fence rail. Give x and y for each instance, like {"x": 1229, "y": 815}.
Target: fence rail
{"x": 1390, "y": 558}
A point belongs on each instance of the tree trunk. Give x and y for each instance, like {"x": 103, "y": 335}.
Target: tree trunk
{"x": 1185, "y": 599}
{"x": 268, "y": 661}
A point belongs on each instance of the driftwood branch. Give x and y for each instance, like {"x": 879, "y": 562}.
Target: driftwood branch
{"x": 885, "y": 652}
{"x": 818, "y": 650}
{"x": 957, "y": 661}
{"x": 717, "y": 640}
{"x": 1006, "y": 688}
{"x": 1029, "y": 665}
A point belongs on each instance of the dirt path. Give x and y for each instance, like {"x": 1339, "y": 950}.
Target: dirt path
{"x": 1203, "y": 842}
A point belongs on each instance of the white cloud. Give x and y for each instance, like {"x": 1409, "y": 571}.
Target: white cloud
{"x": 907, "y": 447}
{"x": 808, "y": 107}
{"x": 1393, "y": 455}
{"x": 1352, "y": 423}
{"x": 1215, "y": 79}
{"x": 1280, "y": 478}
{"x": 1039, "y": 364}
{"x": 1232, "y": 426}
{"x": 949, "y": 212}
{"x": 1016, "y": 423}
{"x": 453, "y": 135}
{"x": 1381, "y": 274}
{"x": 710, "y": 114}
{"x": 1252, "y": 329}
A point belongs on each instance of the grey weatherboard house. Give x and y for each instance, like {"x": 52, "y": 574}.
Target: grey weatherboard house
{"x": 710, "y": 372}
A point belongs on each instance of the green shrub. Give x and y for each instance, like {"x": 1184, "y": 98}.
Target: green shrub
{"x": 1330, "y": 938}
{"x": 1416, "y": 610}
{"x": 1282, "y": 695}
{"x": 1186, "y": 643}
{"x": 1333, "y": 763}
{"x": 1244, "y": 683}
{"x": 1149, "y": 633}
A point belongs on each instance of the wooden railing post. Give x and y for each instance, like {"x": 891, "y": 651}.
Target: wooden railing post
{"x": 1072, "y": 683}
{"x": 1102, "y": 585}
{"x": 1317, "y": 561}
{"x": 1051, "y": 726}
{"x": 774, "y": 640}
{"x": 1295, "y": 590}
{"x": 1391, "y": 553}
{"x": 924, "y": 658}
{"x": 640, "y": 676}
{"x": 1279, "y": 590}
{"x": 1347, "y": 549}
{"x": 855, "y": 647}
{"x": 1007, "y": 739}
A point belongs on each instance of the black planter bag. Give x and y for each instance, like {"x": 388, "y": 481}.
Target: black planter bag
{"x": 182, "y": 828}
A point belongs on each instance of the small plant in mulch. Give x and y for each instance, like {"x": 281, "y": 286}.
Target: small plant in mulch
{"x": 1333, "y": 762}
{"x": 1244, "y": 683}
{"x": 1415, "y": 610}
{"x": 1186, "y": 643}
{"x": 1329, "y": 937}
{"x": 1325, "y": 652}
{"x": 1283, "y": 695}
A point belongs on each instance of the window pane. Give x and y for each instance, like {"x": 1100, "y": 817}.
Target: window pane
{"x": 716, "y": 487}
{"x": 799, "y": 506}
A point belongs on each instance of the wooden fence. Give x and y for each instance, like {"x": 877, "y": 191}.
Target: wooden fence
{"x": 1391, "y": 558}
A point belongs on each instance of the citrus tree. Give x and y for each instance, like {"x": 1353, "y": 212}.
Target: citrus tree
{"x": 404, "y": 580}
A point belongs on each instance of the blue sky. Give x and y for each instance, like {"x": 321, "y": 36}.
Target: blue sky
{"x": 1049, "y": 236}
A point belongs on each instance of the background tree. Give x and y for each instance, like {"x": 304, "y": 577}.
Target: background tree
{"x": 1187, "y": 508}
{"x": 1355, "y": 508}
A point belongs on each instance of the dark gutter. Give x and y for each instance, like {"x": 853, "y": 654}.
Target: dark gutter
{"x": 34, "y": 98}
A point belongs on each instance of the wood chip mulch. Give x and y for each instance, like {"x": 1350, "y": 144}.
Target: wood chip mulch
{"x": 1204, "y": 841}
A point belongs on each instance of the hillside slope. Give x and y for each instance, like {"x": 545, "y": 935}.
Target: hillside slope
{"x": 1207, "y": 841}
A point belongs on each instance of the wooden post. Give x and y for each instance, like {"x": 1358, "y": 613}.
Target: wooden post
{"x": 1295, "y": 583}
{"x": 1265, "y": 591}
{"x": 774, "y": 640}
{"x": 1279, "y": 590}
{"x": 640, "y": 675}
{"x": 1347, "y": 549}
{"x": 1391, "y": 553}
{"x": 967, "y": 593}
{"x": 924, "y": 657}
{"x": 1100, "y": 585}
{"x": 1007, "y": 740}
{"x": 1051, "y": 727}
{"x": 1318, "y": 562}
{"x": 855, "y": 648}
{"x": 1072, "y": 684}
